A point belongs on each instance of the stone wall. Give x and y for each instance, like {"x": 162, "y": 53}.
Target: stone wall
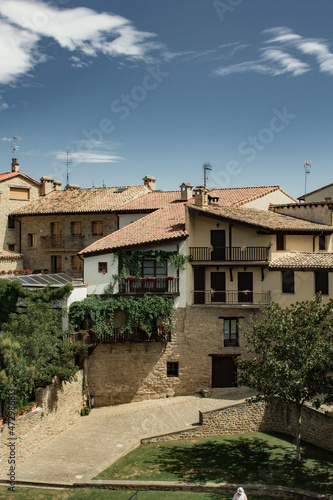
{"x": 133, "y": 372}
{"x": 259, "y": 417}
{"x": 59, "y": 406}
{"x": 39, "y": 256}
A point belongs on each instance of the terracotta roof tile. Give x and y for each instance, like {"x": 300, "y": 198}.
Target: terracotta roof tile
{"x": 165, "y": 224}
{"x": 264, "y": 219}
{"x": 151, "y": 201}
{"x": 7, "y": 175}
{"x": 239, "y": 196}
{"x": 81, "y": 200}
{"x": 5, "y": 254}
{"x": 303, "y": 260}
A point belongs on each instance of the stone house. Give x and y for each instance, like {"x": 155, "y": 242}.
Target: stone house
{"x": 240, "y": 257}
{"x": 60, "y": 223}
{"x": 16, "y": 190}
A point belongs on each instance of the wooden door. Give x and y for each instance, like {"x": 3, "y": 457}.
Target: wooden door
{"x": 245, "y": 282}
{"x": 199, "y": 285}
{"x": 217, "y": 284}
{"x": 217, "y": 240}
{"x": 56, "y": 234}
{"x": 56, "y": 264}
{"x": 224, "y": 371}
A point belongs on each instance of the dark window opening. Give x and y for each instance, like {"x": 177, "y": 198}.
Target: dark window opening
{"x": 288, "y": 282}
{"x": 321, "y": 282}
{"x": 322, "y": 242}
{"x": 11, "y": 222}
{"x": 103, "y": 267}
{"x": 172, "y": 369}
{"x": 11, "y": 247}
{"x": 97, "y": 228}
{"x": 280, "y": 241}
{"x": 152, "y": 268}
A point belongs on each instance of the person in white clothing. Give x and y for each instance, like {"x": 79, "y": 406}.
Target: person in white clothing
{"x": 240, "y": 494}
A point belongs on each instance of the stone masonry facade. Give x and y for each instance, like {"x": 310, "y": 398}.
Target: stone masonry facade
{"x": 59, "y": 405}
{"x": 39, "y": 256}
{"x": 121, "y": 373}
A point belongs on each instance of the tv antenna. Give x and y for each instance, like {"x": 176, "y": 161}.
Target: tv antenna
{"x": 307, "y": 166}
{"x": 15, "y": 146}
{"x": 69, "y": 162}
{"x": 206, "y": 166}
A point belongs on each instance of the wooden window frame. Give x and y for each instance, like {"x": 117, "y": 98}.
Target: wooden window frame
{"x": 32, "y": 240}
{"x": 322, "y": 242}
{"x": 18, "y": 189}
{"x": 76, "y": 258}
{"x": 94, "y": 232}
{"x": 319, "y": 276}
{"x": 153, "y": 274}
{"x": 229, "y": 342}
{"x": 280, "y": 241}
{"x": 103, "y": 267}
{"x": 73, "y": 230}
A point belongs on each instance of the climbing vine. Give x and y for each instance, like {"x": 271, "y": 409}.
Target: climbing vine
{"x": 131, "y": 261}
{"x": 10, "y": 291}
{"x": 98, "y": 313}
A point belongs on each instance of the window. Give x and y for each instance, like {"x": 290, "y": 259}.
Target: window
{"x": 11, "y": 222}
{"x": 76, "y": 228}
{"x": 153, "y": 268}
{"x": 32, "y": 242}
{"x": 288, "y": 282}
{"x": 76, "y": 263}
{"x": 280, "y": 241}
{"x": 322, "y": 242}
{"x": 18, "y": 193}
{"x": 11, "y": 247}
{"x": 97, "y": 228}
{"x": 56, "y": 264}
{"x": 230, "y": 330}
{"x": 321, "y": 282}
{"x": 172, "y": 369}
{"x": 103, "y": 267}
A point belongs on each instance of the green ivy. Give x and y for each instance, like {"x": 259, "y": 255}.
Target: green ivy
{"x": 98, "y": 313}
{"x": 10, "y": 291}
{"x": 131, "y": 261}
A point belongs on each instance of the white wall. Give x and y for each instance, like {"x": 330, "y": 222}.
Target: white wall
{"x": 97, "y": 282}
{"x": 125, "y": 219}
{"x": 262, "y": 203}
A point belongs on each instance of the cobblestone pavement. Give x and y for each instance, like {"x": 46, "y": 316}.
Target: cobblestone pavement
{"x": 94, "y": 442}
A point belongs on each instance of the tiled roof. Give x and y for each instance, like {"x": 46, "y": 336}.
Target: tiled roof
{"x": 263, "y": 219}
{"x": 7, "y": 175}
{"x": 165, "y": 224}
{"x": 239, "y": 196}
{"x": 315, "y": 191}
{"x": 151, "y": 201}
{"x": 81, "y": 200}
{"x": 5, "y": 254}
{"x": 303, "y": 260}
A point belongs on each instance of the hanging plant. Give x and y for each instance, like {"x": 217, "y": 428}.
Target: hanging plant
{"x": 131, "y": 261}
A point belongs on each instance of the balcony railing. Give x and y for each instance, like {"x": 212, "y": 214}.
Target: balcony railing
{"x": 229, "y": 254}
{"x": 133, "y": 286}
{"x": 230, "y": 297}
{"x": 158, "y": 334}
{"x": 63, "y": 242}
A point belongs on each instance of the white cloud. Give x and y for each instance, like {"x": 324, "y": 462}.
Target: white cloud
{"x": 6, "y": 139}
{"x": 23, "y": 24}
{"x": 284, "y": 55}
{"x": 89, "y": 157}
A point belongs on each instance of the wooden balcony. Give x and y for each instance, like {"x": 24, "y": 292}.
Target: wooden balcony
{"x": 158, "y": 334}
{"x": 229, "y": 254}
{"x": 230, "y": 297}
{"x": 155, "y": 286}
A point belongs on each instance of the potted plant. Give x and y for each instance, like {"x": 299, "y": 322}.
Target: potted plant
{"x": 129, "y": 278}
{"x": 3, "y": 272}
{"x": 33, "y": 406}
{"x": 169, "y": 278}
{"x": 10, "y": 272}
{"x": 150, "y": 279}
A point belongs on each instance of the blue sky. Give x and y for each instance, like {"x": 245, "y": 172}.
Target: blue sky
{"x": 147, "y": 87}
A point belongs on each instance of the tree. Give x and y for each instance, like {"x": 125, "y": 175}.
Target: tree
{"x": 35, "y": 350}
{"x": 292, "y": 356}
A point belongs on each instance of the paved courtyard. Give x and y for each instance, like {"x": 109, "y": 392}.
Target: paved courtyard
{"x": 94, "y": 442}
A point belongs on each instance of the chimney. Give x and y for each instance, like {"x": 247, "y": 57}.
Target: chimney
{"x": 72, "y": 186}
{"x": 201, "y": 196}
{"x": 186, "y": 191}
{"x": 47, "y": 185}
{"x": 57, "y": 185}
{"x": 15, "y": 165}
{"x": 150, "y": 182}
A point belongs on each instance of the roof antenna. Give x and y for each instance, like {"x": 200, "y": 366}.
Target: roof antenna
{"x": 69, "y": 162}
{"x": 206, "y": 166}
{"x": 104, "y": 185}
{"x": 93, "y": 184}
{"x": 307, "y": 166}
{"x": 15, "y": 146}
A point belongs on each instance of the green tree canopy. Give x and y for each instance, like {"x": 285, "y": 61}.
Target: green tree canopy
{"x": 291, "y": 356}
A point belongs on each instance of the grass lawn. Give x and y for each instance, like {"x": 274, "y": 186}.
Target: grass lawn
{"x": 240, "y": 459}
{"x": 92, "y": 494}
